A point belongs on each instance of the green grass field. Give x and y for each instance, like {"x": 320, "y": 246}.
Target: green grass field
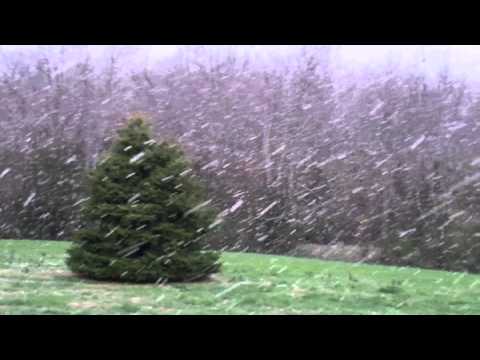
{"x": 35, "y": 280}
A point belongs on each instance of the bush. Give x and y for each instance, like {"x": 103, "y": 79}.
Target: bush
{"x": 146, "y": 218}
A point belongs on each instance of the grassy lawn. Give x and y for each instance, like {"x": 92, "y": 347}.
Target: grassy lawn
{"x": 34, "y": 280}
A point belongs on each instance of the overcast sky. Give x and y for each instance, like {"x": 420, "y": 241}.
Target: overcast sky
{"x": 463, "y": 60}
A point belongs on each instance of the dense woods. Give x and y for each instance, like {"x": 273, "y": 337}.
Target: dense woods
{"x": 290, "y": 155}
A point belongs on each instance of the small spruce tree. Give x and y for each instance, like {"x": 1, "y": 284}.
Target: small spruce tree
{"x": 146, "y": 216}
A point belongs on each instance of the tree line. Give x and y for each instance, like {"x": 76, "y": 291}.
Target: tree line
{"x": 289, "y": 155}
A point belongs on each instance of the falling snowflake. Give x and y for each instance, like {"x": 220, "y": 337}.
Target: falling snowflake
{"x": 279, "y": 150}
{"x": 80, "y": 201}
{"x": 236, "y": 206}
{"x": 407, "y": 232}
{"x": 262, "y": 238}
{"x": 4, "y": 172}
{"x": 133, "y": 198}
{"x": 268, "y": 208}
{"x": 211, "y": 164}
{"x": 29, "y": 199}
{"x": 137, "y": 157}
{"x": 71, "y": 159}
{"x": 111, "y": 231}
{"x": 215, "y": 223}
{"x": 183, "y": 173}
{"x": 420, "y": 140}
{"x": 198, "y": 207}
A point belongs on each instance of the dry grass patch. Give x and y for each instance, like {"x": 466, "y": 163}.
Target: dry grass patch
{"x": 84, "y": 305}
{"x": 138, "y": 300}
{"x": 11, "y": 272}
{"x": 56, "y": 274}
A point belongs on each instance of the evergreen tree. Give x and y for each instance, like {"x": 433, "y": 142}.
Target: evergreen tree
{"x": 146, "y": 217}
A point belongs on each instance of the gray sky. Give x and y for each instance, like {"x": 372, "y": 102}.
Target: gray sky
{"x": 463, "y": 60}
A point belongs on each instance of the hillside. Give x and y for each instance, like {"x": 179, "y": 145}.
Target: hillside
{"x": 34, "y": 280}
